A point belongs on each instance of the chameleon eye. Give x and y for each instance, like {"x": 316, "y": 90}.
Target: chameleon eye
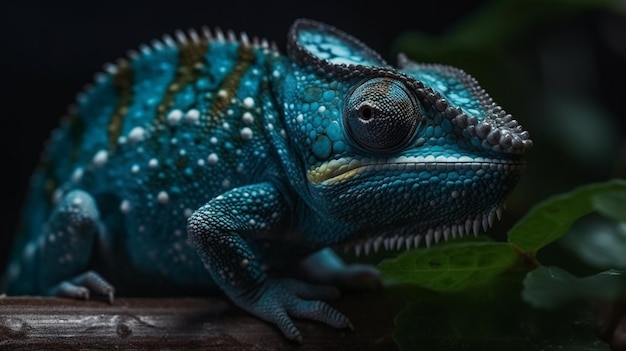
{"x": 381, "y": 115}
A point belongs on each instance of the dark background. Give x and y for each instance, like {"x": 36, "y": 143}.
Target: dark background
{"x": 556, "y": 58}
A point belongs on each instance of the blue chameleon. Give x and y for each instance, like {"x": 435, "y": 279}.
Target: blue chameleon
{"x": 209, "y": 161}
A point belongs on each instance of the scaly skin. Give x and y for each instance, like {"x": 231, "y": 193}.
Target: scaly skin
{"x": 212, "y": 162}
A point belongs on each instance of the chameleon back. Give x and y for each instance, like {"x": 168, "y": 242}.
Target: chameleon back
{"x": 155, "y": 136}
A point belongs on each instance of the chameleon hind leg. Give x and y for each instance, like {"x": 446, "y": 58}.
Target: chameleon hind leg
{"x": 65, "y": 248}
{"x": 326, "y": 267}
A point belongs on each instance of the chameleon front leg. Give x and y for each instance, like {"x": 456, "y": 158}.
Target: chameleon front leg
{"x": 218, "y": 231}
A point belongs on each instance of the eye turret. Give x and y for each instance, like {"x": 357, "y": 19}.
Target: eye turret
{"x": 381, "y": 115}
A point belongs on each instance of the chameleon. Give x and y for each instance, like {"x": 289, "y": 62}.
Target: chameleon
{"x": 210, "y": 162}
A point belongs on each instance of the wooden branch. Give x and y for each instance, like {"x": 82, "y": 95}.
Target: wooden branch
{"x": 183, "y": 323}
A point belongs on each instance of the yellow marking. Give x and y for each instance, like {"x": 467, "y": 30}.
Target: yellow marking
{"x": 343, "y": 176}
{"x": 229, "y": 85}
{"x": 190, "y": 64}
{"x": 122, "y": 80}
{"x": 333, "y": 172}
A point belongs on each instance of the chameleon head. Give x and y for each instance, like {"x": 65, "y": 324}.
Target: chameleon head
{"x": 400, "y": 155}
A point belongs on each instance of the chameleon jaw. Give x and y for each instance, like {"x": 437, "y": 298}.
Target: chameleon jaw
{"x": 342, "y": 169}
{"x": 408, "y": 240}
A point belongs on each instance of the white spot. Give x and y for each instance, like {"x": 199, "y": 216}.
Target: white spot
{"x": 174, "y": 117}
{"x": 244, "y": 263}
{"x": 321, "y": 109}
{"x": 200, "y": 162}
{"x": 226, "y": 126}
{"x": 163, "y": 197}
{"x": 252, "y": 221}
{"x": 299, "y": 118}
{"x": 192, "y": 116}
{"x": 77, "y": 201}
{"x": 121, "y": 140}
{"x": 134, "y": 168}
{"x": 77, "y": 175}
{"x": 100, "y": 158}
{"x": 153, "y": 163}
{"x": 222, "y": 93}
{"x": 213, "y": 140}
{"x": 188, "y": 212}
{"x": 276, "y": 74}
{"x": 212, "y": 158}
{"x": 247, "y": 118}
{"x": 246, "y": 133}
{"x": 51, "y": 238}
{"x": 248, "y": 102}
{"x": 125, "y": 206}
{"x": 136, "y": 134}
{"x": 226, "y": 183}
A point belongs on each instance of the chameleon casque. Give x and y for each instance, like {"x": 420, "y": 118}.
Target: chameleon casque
{"x": 208, "y": 161}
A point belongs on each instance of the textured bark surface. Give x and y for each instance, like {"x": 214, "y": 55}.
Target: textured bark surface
{"x": 31, "y": 323}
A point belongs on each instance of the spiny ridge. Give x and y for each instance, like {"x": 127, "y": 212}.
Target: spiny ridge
{"x": 168, "y": 41}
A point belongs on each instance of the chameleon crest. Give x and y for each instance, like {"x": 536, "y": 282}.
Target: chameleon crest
{"x": 211, "y": 162}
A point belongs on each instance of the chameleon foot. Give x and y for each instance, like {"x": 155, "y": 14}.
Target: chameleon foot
{"x": 81, "y": 287}
{"x": 278, "y": 301}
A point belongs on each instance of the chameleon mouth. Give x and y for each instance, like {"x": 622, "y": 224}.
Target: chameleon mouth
{"x": 342, "y": 169}
{"x": 407, "y": 238}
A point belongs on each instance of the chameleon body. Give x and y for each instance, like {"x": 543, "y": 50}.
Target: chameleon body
{"x": 208, "y": 161}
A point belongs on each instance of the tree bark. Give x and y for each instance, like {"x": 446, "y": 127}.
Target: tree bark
{"x": 183, "y": 323}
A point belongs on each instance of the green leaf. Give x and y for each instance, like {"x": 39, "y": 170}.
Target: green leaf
{"x": 550, "y": 219}
{"x": 552, "y": 287}
{"x": 611, "y": 205}
{"x": 450, "y": 267}
{"x": 597, "y": 241}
